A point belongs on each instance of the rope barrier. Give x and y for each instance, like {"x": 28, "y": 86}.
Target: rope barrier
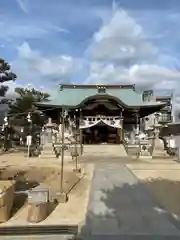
{"x": 36, "y": 111}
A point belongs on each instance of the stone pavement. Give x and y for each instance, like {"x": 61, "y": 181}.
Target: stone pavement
{"x": 119, "y": 206}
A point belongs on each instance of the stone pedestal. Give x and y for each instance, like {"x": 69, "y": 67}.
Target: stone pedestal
{"x": 37, "y": 212}
{"x": 158, "y": 150}
{"x": 62, "y": 197}
{"x": 77, "y": 170}
{"x": 47, "y": 151}
{"x": 145, "y": 149}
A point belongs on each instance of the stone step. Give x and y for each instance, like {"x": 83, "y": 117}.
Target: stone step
{"x": 48, "y": 148}
{"x": 47, "y": 156}
{"x": 104, "y": 150}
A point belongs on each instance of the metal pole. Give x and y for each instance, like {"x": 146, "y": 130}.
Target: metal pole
{"x": 6, "y": 134}
{"x": 76, "y": 170}
{"x": 6, "y": 138}
{"x": 28, "y": 150}
{"x": 81, "y": 133}
{"x": 121, "y": 129}
{"x": 76, "y": 151}
{"x": 29, "y": 136}
{"x": 62, "y": 196}
{"x": 62, "y": 152}
{"x": 178, "y": 155}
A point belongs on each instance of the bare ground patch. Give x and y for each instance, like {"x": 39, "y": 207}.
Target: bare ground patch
{"x": 27, "y": 177}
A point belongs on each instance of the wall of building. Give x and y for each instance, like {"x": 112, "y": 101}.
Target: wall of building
{"x": 166, "y": 114}
{"x": 148, "y": 122}
{"x": 167, "y": 96}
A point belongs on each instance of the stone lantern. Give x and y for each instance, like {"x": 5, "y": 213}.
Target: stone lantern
{"x": 48, "y": 128}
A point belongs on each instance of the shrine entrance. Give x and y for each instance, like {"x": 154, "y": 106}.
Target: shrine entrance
{"x": 100, "y": 134}
{"x": 101, "y": 130}
{"x": 101, "y": 121}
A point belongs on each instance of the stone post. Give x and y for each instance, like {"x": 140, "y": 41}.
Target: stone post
{"x": 48, "y": 127}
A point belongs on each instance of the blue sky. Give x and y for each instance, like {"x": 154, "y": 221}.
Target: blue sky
{"x": 92, "y": 41}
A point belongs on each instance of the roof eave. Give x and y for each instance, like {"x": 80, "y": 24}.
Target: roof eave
{"x": 153, "y": 105}
{"x": 150, "y": 109}
{"x": 81, "y": 104}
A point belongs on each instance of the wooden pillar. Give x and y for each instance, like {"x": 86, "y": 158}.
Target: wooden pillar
{"x": 81, "y": 136}
{"x": 122, "y": 127}
{"x": 60, "y": 117}
{"x": 80, "y": 129}
{"x": 121, "y": 131}
{"x": 137, "y": 123}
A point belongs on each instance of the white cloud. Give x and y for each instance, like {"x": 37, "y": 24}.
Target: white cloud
{"x": 147, "y": 75}
{"x": 120, "y": 38}
{"x": 20, "y": 28}
{"x": 32, "y": 67}
{"x": 121, "y": 53}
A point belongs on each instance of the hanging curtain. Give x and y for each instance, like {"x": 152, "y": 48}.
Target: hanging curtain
{"x": 115, "y": 123}
{"x": 92, "y": 121}
{"x": 88, "y": 124}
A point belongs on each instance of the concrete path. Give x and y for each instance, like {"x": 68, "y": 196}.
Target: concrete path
{"x": 121, "y": 206}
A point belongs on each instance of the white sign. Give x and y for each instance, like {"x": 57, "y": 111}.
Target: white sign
{"x": 29, "y": 140}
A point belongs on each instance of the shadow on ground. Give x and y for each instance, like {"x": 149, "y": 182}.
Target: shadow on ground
{"x": 145, "y": 210}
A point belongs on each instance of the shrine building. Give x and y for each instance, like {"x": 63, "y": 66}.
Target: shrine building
{"x": 103, "y": 113}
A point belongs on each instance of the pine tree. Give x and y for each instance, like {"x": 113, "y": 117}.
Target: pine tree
{"x": 24, "y": 103}
{"x": 5, "y": 75}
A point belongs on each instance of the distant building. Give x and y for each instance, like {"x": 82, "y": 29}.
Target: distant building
{"x": 166, "y": 112}
{"x": 165, "y": 115}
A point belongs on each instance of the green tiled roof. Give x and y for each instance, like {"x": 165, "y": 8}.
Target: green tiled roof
{"x": 128, "y": 96}
{"x": 75, "y": 96}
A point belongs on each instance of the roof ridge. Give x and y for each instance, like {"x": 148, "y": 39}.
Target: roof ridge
{"x": 86, "y": 86}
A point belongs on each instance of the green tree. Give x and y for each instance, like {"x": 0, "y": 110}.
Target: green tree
{"x": 5, "y": 75}
{"x": 24, "y": 102}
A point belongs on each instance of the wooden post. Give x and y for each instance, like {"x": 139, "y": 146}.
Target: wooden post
{"x": 121, "y": 129}
{"x": 137, "y": 123}
{"x": 81, "y": 135}
{"x": 80, "y": 132}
